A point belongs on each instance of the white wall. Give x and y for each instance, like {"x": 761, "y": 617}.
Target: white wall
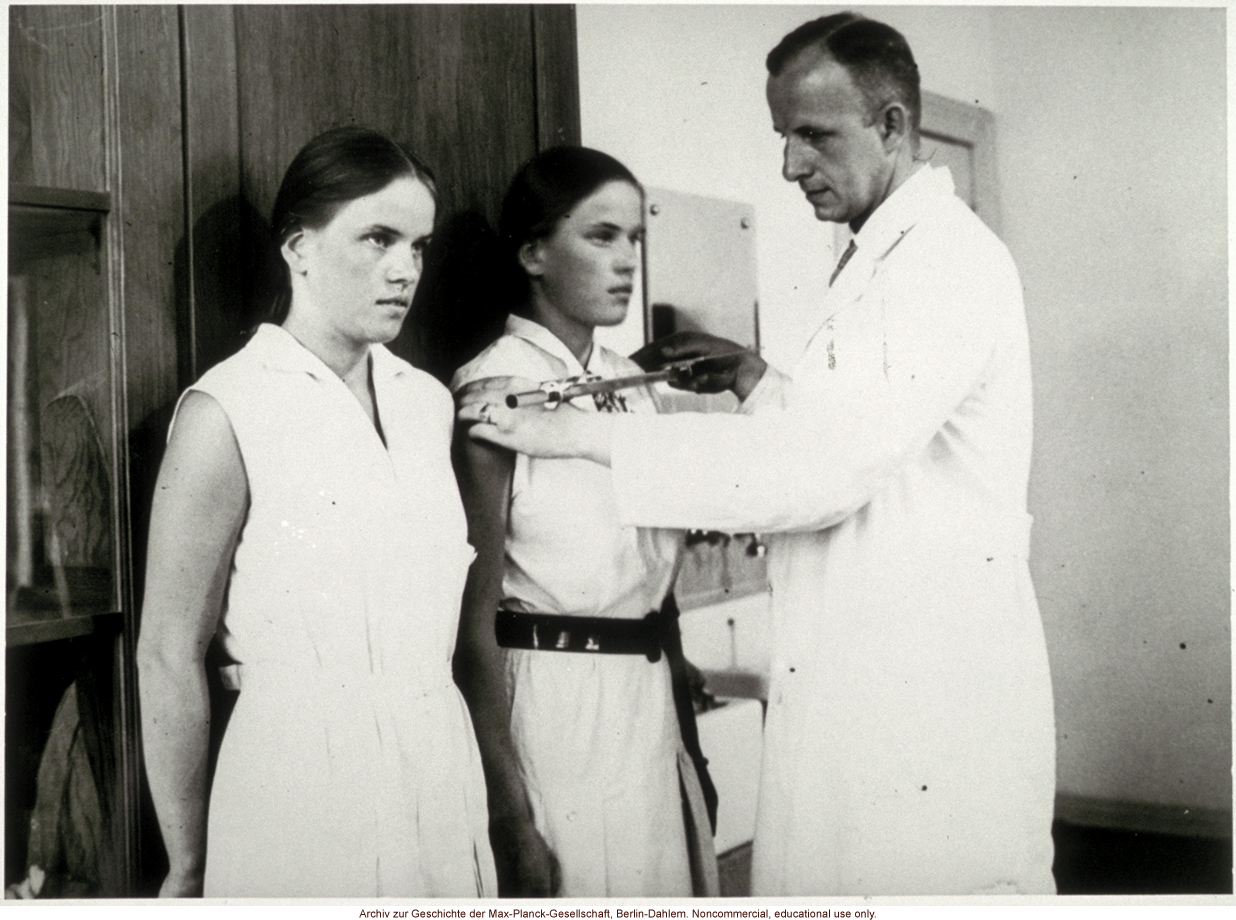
{"x": 1113, "y": 185}
{"x": 1125, "y": 275}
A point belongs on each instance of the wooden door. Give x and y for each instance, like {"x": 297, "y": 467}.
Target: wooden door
{"x": 473, "y": 90}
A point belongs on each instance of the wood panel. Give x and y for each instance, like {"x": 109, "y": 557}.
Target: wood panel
{"x": 56, "y": 96}
{"x": 453, "y": 82}
{"x": 557, "y": 75}
{"x": 147, "y": 275}
{"x": 216, "y": 310}
{"x": 150, "y": 202}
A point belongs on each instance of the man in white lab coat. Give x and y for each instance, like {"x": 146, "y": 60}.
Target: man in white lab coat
{"x": 909, "y": 739}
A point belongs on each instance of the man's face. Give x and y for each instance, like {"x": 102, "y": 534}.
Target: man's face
{"x": 832, "y": 151}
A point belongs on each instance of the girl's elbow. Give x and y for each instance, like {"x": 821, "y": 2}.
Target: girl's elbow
{"x": 160, "y": 656}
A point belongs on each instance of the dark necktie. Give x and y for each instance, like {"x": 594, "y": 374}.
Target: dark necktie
{"x": 845, "y": 257}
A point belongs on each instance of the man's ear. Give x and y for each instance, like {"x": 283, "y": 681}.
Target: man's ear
{"x": 293, "y": 252}
{"x": 894, "y": 123}
{"x": 531, "y": 258}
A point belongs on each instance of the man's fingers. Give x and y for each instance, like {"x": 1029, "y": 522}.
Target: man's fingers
{"x": 649, "y": 357}
{"x": 704, "y": 383}
{"x": 674, "y": 347}
{"x": 483, "y": 414}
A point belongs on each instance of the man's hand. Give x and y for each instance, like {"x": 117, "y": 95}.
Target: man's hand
{"x": 724, "y": 370}
{"x": 527, "y": 867}
{"x": 564, "y": 432}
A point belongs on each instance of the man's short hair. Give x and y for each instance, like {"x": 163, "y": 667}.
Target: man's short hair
{"x": 876, "y": 55}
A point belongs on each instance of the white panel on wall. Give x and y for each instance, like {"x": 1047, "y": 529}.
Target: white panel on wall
{"x": 700, "y": 261}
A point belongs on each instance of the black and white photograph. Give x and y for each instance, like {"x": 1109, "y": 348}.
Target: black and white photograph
{"x": 708, "y": 456}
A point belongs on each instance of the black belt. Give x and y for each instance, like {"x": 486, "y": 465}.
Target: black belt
{"x": 598, "y": 635}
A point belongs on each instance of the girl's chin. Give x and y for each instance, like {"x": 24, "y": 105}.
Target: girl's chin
{"x": 612, "y": 314}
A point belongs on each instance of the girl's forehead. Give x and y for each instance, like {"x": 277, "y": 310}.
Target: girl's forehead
{"x": 616, "y": 199}
{"x": 404, "y": 200}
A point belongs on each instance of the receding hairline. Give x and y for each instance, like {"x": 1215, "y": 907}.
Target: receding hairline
{"x": 872, "y": 80}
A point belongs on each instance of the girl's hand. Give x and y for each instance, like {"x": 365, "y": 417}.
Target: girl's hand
{"x": 181, "y": 885}
{"x": 563, "y": 432}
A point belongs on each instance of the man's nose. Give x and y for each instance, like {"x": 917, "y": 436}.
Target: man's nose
{"x": 794, "y": 163}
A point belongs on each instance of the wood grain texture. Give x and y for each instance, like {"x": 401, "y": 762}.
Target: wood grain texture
{"x": 216, "y": 315}
{"x": 456, "y": 83}
{"x": 557, "y": 75}
{"x": 56, "y": 116}
{"x": 150, "y": 200}
{"x": 453, "y": 82}
{"x": 121, "y": 650}
{"x": 21, "y": 149}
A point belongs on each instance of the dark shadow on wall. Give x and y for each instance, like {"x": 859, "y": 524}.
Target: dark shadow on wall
{"x": 462, "y": 300}
{"x": 231, "y": 281}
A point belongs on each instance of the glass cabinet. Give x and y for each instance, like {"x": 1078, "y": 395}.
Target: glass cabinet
{"x": 66, "y": 688}
{"x": 61, "y": 456}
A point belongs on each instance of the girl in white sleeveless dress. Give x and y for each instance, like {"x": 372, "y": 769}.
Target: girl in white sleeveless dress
{"x": 306, "y": 512}
{"x": 586, "y": 766}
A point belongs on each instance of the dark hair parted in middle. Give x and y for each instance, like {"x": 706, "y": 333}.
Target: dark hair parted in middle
{"x": 336, "y": 167}
{"x": 545, "y": 190}
{"x": 876, "y": 55}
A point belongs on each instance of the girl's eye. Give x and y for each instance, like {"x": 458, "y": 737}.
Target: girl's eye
{"x": 379, "y": 239}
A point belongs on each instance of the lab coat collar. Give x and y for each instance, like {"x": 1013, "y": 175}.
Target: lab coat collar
{"x": 279, "y": 350}
{"x": 915, "y": 198}
{"x": 542, "y": 338}
{"x": 897, "y": 215}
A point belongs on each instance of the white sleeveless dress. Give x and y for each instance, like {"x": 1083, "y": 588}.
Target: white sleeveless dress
{"x": 596, "y": 735}
{"x": 349, "y": 767}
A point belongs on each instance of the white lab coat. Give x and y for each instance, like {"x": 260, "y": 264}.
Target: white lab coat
{"x": 909, "y": 739}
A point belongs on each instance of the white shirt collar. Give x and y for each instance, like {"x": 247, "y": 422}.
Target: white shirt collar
{"x": 281, "y": 350}
{"x": 542, "y": 338}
